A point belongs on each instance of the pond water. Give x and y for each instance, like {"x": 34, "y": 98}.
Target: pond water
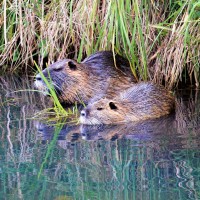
{"x": 157, "y": 159}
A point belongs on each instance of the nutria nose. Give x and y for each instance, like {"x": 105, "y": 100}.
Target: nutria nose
{"x": 38, "y": 77}
{"x": 83, "y": 113}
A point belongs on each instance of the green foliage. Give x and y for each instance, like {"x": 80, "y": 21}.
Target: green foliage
{"x": 52, "y": 93}
{"x": 57, "y": 111}
{"x": 160, "y": 38}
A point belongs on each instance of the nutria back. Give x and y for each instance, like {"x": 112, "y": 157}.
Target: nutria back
{"x": 140, "y": 102}
{"x": 101, "y": 73}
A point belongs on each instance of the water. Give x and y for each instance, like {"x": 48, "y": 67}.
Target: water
{"x": 158, "y": 159}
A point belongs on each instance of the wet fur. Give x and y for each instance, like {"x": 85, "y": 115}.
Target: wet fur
{"x": 95, "y": 75}
{"x": 140, "y": 102}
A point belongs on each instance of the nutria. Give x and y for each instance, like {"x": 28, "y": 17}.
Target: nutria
{"x": 140, "y": 102}
{"x": 100, "y": 73}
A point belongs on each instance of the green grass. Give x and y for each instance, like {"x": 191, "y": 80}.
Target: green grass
{"x": 56, "y": 112}
{"x": 52, "y": 93}
{"x": 161, "y": 39}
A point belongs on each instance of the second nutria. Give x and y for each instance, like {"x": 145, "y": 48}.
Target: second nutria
{"x": 100, "y": 73}
{"x": 140, "y": 102}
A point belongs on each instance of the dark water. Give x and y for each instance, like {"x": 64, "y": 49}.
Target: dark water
{"x": 157, "y": 159}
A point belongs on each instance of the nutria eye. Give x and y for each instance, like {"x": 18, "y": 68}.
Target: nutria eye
{"x": 71, "y": 65}
{"x": 99, "y": 108}
{"x": 58, "y": 69}
{"x": 112, "y": 106}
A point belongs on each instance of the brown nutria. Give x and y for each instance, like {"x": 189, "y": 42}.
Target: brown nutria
{"x": 100, "y": 73}
{"x": 140, "y": 102}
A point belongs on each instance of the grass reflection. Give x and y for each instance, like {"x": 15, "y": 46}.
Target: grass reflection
{"x": 62, "y": 161}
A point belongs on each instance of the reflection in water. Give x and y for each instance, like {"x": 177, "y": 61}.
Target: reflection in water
{"x": 156, "y": 159}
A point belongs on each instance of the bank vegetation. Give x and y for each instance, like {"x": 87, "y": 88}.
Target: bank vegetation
{"x": 160, "y": 38}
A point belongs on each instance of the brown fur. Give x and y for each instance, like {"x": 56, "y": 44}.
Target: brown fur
{"x": 96, "y": 75}
{"x": 140, "y": 102}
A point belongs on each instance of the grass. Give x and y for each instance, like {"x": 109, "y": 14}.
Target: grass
{"x": 52, "y": 93}
{"x": 57, "y": 112}
{"x": 161, "y": 39}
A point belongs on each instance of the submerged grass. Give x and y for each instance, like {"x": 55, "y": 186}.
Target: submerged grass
{"x": 160, "y": 38}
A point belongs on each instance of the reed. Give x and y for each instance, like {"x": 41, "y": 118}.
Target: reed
{"x": 161, "y": 39}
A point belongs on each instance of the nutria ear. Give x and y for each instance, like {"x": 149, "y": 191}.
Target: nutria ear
{"x": 112, "y": 106}
{"x": 72, "y": 65}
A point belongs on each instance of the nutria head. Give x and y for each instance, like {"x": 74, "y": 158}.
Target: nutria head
{"x": 103, "y": 111}
{"x": 67, "y": 77}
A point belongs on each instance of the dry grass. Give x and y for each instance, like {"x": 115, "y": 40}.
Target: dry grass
{"x": 161, "y": 39}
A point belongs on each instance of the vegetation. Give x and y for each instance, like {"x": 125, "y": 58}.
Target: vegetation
{"x": 160, "y": 38}
{"x": 59, "y": 110}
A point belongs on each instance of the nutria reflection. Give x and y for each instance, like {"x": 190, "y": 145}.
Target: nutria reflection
{"x": 145, "y": 129}
{"x": 64, "y": 131}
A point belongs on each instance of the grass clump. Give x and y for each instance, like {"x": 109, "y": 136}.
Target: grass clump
{"x": 161, "y": 39}
{"x": 57, "y": 111}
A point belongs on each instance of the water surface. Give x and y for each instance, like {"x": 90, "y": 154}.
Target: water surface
{"x": 158, "y": 159}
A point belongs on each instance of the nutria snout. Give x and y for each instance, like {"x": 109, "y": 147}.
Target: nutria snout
{"x": 100, "y": 73}
{"x": 140, "y": 102}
